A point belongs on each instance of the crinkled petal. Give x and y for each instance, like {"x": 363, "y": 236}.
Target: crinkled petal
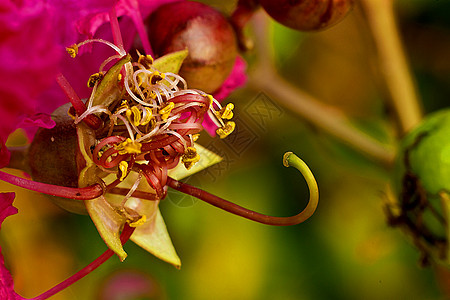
{"x": 6, "y": 282}
{"x": 236, "y": 79}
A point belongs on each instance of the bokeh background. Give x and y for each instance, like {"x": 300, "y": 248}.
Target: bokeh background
{"x": 345, "y": 251}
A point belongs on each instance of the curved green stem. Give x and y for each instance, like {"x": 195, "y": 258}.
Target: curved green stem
{"x": 289, "y": 159}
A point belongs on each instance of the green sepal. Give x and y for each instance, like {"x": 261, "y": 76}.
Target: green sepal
{"x": 109, "y": 89}
{"x": 170, "y": 62}
{"x": 154, "y": 238}
{"x": 106, "y": 219}
{"x": 207, "y": 159}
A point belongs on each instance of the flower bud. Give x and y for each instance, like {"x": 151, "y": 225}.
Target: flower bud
{"x": 53, "y": 157}
{"x": 422, "y": 183}
{"x": 206, "y": 34}
{"x": 307, "y": 15}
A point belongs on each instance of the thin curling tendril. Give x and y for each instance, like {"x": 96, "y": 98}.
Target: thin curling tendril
{"x": 289, "y": 159}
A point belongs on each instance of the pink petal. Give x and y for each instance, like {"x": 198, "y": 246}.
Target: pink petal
{"x": 6, "y": 282}
{"x": 4, "y": 155}
{"x": 236, "y": 79}
{"x": 30, "y": 59}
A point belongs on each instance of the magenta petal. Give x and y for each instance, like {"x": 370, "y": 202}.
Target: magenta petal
{"x": 31, "y": 123}
{"x": 30, "y": 59}
{"x": 6, "y": 282}
{"x": 4, "y": 155}
{"x": 236, "y": 79}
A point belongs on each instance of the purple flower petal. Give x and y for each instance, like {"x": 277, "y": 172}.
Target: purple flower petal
{"x": 6, "y": 282}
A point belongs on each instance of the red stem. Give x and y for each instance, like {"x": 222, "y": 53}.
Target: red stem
{"x": 117, "y": 36}
{"x": 137, "y": 194}
{"x": 234, "y": 208}
{"x": 92, "y": 120}
{"x": 124, "y": 237}
{"x": 86, "y": 193}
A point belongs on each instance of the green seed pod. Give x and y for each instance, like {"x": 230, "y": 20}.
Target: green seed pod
{"x": 53, "y": 157}
{"x": 422, "y": 184}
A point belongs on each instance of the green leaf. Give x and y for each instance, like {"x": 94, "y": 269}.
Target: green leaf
{"x": 170, "y": 62}
{"x": 207, "y": 159}
{"x": 153, "y": 237}
{"x": 109, "y": 90}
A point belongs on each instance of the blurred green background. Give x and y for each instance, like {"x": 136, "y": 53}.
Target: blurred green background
{"x": 345, "y": 251}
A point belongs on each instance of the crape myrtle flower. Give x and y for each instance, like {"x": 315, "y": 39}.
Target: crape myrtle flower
{"x": 126, "y": 144}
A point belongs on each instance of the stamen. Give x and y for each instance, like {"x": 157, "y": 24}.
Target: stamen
{"x": 123, "y": 168}
{"x": 72, "y": 50}
{"x": 129, "y": 147}
{"x": 94, "y": 78}
{"x": 226, "y": 112}
{"x": 165, "y": 112}
{"x": 226, "y": 130}
{"x": 190, "y": 157}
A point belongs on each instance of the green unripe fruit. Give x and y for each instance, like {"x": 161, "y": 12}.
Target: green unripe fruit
{"x": 54, "y": 157}
{"x": 422, "y": 184}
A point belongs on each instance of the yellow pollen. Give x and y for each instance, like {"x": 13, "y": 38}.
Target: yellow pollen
{"x": 226, "y": 130}
{"x": 190, "y": 157}
{"x": 156, "y": 76}
{"x": 145, "y": 60}
{"x": 165, "y": 112}
{"x": 94, "y": 78}
{"x": 119, "y": 77}
{"x": 227, "y": 111}
{"x": 123, "y": 167}
{"x": 134, "y": 115}
{"x": 129, "y": 147}
{"x": 138, "y": 222}
{"x": 195, "y": 136}
{"x": 72, "y": 50}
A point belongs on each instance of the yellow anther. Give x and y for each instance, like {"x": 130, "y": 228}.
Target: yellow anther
{"x": 226, "y": 130}
{"x": 138, "y": 116}
{"x": 94, "y": 78}
{"x": 156, "y": 76}
{"x": 190, "y": 157}
{"x": 134, "y": 115}
{"x": 145, "y": 60}
{"x": 72, "y": 50}
{"x": 129, "y": 147}
{"x": 227, "y": 111}
{"x": 138, "y": 222}
{"x": 119, "y": 77}
{"x": 123, "y": 167}
{"x": 195, "y": 136}
{"x": 165, "y": 111}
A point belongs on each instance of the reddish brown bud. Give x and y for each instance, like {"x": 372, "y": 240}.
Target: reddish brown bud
{"x": 53, "y": 157}
{"x": 207, "y": 35}
{"x": 307, "y": 14}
